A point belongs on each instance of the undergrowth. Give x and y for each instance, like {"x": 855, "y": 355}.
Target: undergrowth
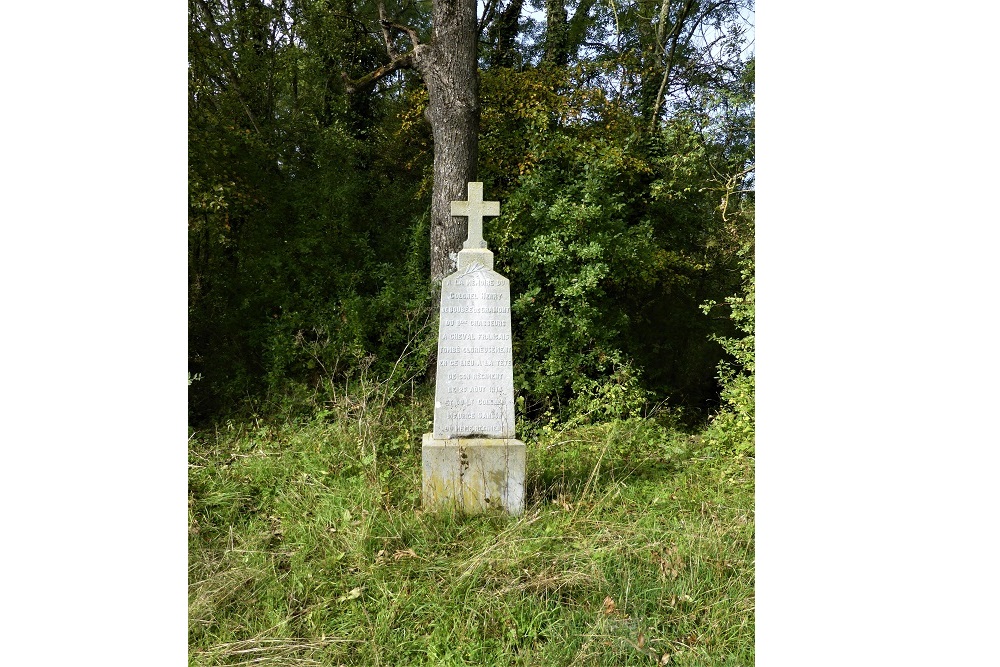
{"x": 308, "y": 546}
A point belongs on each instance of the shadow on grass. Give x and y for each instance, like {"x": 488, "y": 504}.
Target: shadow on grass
{"x": 587, "y": 459}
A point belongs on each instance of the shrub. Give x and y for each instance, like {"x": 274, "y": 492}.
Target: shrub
{"x": 733, "y": 427}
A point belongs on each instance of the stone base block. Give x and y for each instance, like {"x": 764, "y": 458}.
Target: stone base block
{"x": 473, "y": 474}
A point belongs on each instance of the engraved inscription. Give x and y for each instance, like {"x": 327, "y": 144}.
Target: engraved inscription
{"x": 475, "y": 380}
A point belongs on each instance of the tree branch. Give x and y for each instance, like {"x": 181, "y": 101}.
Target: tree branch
{"x": 397, "y": 60}
{"x": 675, "y": 33}
{"x": 404, "y": 61}
{"x": 577, "y": 26}
{"x": 225, "y": 57}
{"x": 361, "y": 24}
{"x": 488, "y": 12}
{"x": 386, "y": 24}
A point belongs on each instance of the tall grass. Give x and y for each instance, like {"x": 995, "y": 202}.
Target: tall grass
{"x": 308, "y": 546}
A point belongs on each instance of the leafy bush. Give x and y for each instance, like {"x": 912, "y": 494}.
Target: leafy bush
{"x": 733, "y": 427}
{"x": 569, "y": 248}
{"x": 604, "y": 243}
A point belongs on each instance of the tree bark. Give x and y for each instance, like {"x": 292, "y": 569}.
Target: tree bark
{"x": 503, "y": 32}
{"x": 448, "y": 67}
{"x": 556, "y": 28}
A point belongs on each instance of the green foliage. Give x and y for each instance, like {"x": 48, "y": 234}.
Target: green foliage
{"x": 565, "y": 314}
{"x": 309, "y": 223}
{"x": 291, "y": 283}
{"x": 609, "y": 255}
{"x": 733, "y": 427}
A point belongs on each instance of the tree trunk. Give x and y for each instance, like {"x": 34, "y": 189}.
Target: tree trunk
{"x": 448, "y": 67}
{"x": 556, "y": 28}
{"x": 503, "y": 33}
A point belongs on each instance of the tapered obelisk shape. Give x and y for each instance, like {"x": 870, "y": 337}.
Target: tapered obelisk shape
{"x": 475, "y": 376}
{"x": 474, "y": 396}
{"x": 471, "y": 461}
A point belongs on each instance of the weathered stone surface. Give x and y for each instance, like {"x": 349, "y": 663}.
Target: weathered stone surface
{"x": 474, "y": 394}
{"x": 471, "y": 462}
{"x": 473, "y": 474}
{"x": 475, "y": 209}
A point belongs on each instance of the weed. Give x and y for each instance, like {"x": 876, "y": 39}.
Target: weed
{"x": 308, "y": 546}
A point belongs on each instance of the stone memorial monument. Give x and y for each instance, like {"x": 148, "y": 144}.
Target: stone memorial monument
{"x": 472, "y": 461}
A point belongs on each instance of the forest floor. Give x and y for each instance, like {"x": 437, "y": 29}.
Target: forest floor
{"x": 308, "y": 546}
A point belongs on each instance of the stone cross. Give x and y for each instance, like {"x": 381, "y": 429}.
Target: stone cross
{"x": 475, "y": 209}
{"x": 471, "y": 460}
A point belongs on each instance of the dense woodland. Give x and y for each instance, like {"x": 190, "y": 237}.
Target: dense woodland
{"x": 326, "y": 138}
{"x": 618, "y": 137}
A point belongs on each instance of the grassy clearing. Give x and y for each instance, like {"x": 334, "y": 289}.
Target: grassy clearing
{"x": 307, "y": 546}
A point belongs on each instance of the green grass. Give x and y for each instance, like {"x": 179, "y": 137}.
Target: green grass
{"x": 308, "y": 546}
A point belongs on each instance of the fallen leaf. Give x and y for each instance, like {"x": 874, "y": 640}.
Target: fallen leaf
{"x": 609, "y": 605}
{"x": 642, "y": 640}
{"x": 665, "y": 660}
{"x": 406, "y": 553}
{"x": 353, "y": 594}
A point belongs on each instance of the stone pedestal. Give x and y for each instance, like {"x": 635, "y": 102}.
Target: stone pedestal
{"x": 471, "y": 461}
{"x": 473, "y": 474}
